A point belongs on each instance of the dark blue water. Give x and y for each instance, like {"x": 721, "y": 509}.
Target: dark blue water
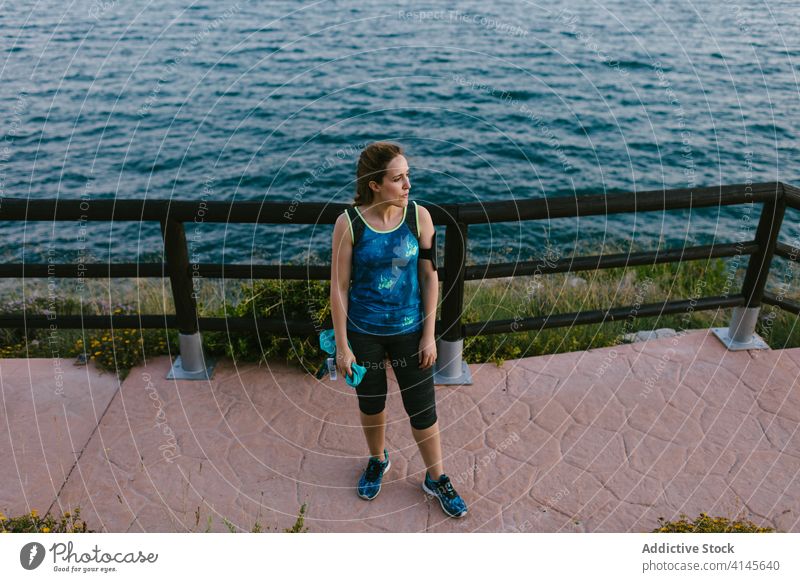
{"x": 509, "y": 99}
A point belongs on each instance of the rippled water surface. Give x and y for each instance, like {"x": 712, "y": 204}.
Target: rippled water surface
{"x": 508, "y": 99}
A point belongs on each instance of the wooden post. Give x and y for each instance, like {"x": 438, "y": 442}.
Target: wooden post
{"x": 741, "y": 332}
{"x": 191, "y": 364}
{"x": 450, "y": 368}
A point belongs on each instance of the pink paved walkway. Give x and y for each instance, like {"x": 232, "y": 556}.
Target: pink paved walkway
{"x": 606, "y": 440}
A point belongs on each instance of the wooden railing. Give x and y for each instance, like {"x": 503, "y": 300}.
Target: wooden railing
{"x": 456, "y": 218}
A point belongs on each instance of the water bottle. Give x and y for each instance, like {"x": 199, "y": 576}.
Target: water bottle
{"x": 332, "y": 368}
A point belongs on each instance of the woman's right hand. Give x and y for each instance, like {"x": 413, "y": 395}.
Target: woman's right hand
{"x": 344, "y": 360}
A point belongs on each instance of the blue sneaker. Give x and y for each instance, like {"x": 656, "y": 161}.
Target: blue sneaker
{"x": 369, "y": 485}
{"x": 451, "y": 502}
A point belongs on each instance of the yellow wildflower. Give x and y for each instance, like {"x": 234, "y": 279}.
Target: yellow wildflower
{"x": 45, "y": 530}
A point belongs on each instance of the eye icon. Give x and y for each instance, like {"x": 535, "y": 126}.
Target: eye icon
{"x": 31, "y": 555}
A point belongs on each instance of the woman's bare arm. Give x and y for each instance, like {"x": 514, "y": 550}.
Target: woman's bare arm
{"x": 341, "y": 256}
{"x": 428, "y": 278}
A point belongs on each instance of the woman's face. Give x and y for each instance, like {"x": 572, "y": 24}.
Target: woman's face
{"x": 395, "y": 185}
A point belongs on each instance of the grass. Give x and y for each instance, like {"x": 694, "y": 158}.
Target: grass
{"x": 119, "y": 350}
{"x": 297, "y": 527}
{"x": 543, "y": 295}
{"x": 706, "y": 524}
{"x": 71, "y": 522}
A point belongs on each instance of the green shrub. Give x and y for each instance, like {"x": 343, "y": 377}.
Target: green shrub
{"x": 36, "y": 342}
{"x": 116, "y": 350}
{"x": 33, "y": 523}
{"x": 302, "y": 300}
{"x": 516, "y": 298}
{"x": 705, "y": 524}
{"x": 298, "y": 526}
{"x": 122, "y": 349}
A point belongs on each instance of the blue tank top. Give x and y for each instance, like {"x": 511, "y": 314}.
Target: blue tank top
{"x": 384, "y": 297}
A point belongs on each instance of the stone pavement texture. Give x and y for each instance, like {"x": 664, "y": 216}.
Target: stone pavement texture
{"x": 606, "y": 440}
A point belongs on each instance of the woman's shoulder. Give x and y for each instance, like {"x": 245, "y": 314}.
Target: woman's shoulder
{"x": 342, "y": 226}
{"x": 342, "y": 218}
{"x": 422, "y": 213}
{"x": 425, "y": 228}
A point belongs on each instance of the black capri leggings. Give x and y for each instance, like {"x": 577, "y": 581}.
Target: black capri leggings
{"x": 416, "y": 385}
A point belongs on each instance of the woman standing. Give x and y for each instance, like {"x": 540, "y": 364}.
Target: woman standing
{"x": 390, "y": 307}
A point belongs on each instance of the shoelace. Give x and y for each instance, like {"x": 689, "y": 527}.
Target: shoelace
{"x": 373, "y": 469}
{"x": 447, "y": 488}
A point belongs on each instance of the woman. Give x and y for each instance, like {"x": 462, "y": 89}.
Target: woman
{"x": 389, "y": 308}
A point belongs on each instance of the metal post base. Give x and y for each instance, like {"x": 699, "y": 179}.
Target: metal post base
{"x": 453, "y": 370}
{"x": 741, "y": 334}
{"x": 192, "y": 363}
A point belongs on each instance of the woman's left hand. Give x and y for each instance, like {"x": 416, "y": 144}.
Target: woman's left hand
{"x": 427, "y": 352}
